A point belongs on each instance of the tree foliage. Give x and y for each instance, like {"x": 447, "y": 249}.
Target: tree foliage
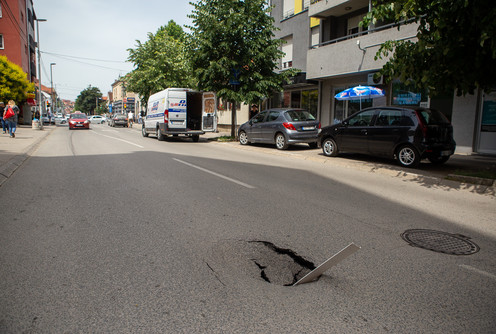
{"x": 13, "y": 82}
{"x": 232, "y": 42}
{"x": 161, "y": 62}
{"x": 88, "y": 99}
{"x": 456, "y": 47}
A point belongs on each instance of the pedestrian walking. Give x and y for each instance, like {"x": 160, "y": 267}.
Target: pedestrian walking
{"x": 4, "y": 123}
{"x": 10, "y": 116}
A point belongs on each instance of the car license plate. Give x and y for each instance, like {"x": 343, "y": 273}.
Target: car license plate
{"x": 446, "y": 153}
{"x": 306, "y": 128}
{"x": 79, "y": 124}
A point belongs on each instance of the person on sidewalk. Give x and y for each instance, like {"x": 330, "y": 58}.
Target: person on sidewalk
{"x": 12, "y": 120}
{"x": 4, "y": 123}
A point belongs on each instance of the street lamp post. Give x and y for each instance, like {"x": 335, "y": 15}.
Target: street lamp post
{"x": 51, "y": 85}
{"x": 39, "y": 71}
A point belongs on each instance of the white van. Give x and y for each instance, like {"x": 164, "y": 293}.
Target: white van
{"x": 180, "y": 111}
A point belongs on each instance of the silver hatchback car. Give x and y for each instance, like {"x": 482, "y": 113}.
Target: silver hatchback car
{"x": 281, "y": 126}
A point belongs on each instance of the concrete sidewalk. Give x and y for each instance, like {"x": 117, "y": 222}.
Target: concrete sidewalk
{"x": 14, "y": 151}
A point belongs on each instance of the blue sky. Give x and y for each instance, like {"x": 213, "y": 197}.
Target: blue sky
{"x": 101, "y": 30}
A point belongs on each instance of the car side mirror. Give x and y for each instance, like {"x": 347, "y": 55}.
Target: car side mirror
{"x": 251, "y": 122}
{"x": 345, "y": 123}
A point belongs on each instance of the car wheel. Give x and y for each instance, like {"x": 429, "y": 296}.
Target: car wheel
{"x": 160, "y": 136}
{"x": 281, "y": 142}
{"x": 408, "y": 156}
{"x": 329, "y": 147}
{"x": 143, "y": 131}
{"x": 243, "y": 138}
{"x": 438, "y": 160}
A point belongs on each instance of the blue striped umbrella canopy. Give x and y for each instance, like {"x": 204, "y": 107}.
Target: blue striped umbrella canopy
{"x": 359, "y": 92}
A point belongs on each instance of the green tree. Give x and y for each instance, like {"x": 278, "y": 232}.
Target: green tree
{"x": 233, "y": 50}
{"x": 13, "y": 82}
{"x": 456, "y": 47}
{"x": 160, "y": 62}
{"x": 87, "y": 100}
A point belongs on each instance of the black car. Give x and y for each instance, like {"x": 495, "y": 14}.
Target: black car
{"x": 119, "y": 119}
{"x": 408, "y": 135}
{"x": 280, "y": 126}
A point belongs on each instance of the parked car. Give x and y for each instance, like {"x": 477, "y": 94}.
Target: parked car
{"x": 282, "y": 126}
{"x": 78, "y": 121}
{"x": 119, "y": 119}
{"x": 45, "y": 119}
{"x": 97, "y": 119}
{"x": 60, "y": 120}
{"x": 408, "y": 135}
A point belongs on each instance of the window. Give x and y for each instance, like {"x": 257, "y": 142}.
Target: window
{"x": 1, "y": 42}
{"x": 287, "y": 48}
{"x": 389, "y": 118}
{"x": 273, "y": 115}
{"x": 362, "y": 119}
{"x": 288, "y": 8}
{"x": 0, "y": 10}
{"x": 259, "y": 118}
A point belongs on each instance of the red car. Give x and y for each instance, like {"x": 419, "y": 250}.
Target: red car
{"x": 78, "y": 121}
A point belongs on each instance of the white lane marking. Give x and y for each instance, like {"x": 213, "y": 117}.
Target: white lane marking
{"x": 216, "y": 174}
{"x": 482, "y": 272}
{"x": 125, "y": 141}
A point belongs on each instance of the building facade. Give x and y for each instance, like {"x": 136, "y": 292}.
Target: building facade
{"x": 18, "y": 44}
{"x": 122, "y": 100}
{"x": 324, "y": 40}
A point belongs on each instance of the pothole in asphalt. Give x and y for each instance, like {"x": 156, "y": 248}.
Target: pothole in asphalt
{"x": 278, "y": 265}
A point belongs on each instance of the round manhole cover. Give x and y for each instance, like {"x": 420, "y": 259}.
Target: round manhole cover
{"x": 442, "y": 242}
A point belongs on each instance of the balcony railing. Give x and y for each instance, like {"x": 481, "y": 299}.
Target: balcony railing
{"x": 361, "y": 33}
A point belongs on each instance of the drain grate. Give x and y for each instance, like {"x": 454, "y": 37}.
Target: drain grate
{"x": 441, "y": 242}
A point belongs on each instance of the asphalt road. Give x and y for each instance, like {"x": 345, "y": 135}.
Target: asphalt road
{"x": 107, "y": 231}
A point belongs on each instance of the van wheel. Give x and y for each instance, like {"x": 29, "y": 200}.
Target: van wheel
{"x": 281, "y": 142}
{"x": 143, "y": 131}
{"x": 243, "y": 138}
{"x": 196, "y": 138}
{"x": 160, "y": 136}
{"x": 408, "y": 156}
{"x": 329, "y": 147}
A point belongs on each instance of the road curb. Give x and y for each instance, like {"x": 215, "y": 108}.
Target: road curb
{"x": 474, "y": 184}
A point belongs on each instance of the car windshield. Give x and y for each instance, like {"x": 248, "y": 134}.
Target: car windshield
{"x": 78, "y": 116}
{"x": 432, "y": 117}
{"x": 300, "y": 116}
{"x": 122, "y": 116}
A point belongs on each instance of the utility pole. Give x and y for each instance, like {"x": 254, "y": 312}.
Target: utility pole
{"x": 39, "y": 71}
{"x": 51, "y": 85}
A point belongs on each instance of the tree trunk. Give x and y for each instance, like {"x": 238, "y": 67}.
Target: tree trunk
{"x": 233, "y": 119}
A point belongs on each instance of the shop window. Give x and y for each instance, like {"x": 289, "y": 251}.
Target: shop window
{"x": 405, "y": 96}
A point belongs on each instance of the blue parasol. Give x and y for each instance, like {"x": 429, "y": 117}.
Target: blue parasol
{"x": 359, "y": 92}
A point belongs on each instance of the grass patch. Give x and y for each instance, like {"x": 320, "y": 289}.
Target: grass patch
{"x": 485, "y": 174}
{"x": 226, "y": 138}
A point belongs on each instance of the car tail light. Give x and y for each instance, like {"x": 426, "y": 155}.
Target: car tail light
{"x": 320, "y": 126}
{"x": 289, "y": 126}
{"x": 166, "y": 116}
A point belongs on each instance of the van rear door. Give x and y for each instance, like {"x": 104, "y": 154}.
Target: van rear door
{"x": 177, "y": 109}
{"x": 209, "y": 112}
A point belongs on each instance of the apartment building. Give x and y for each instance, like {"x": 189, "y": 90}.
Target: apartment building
{"x": 324, "y": 40}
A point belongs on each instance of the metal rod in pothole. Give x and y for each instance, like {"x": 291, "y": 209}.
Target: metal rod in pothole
{"x": 332, "y": 261}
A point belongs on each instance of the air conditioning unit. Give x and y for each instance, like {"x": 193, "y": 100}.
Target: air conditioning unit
{"x": 372, "y": 81}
